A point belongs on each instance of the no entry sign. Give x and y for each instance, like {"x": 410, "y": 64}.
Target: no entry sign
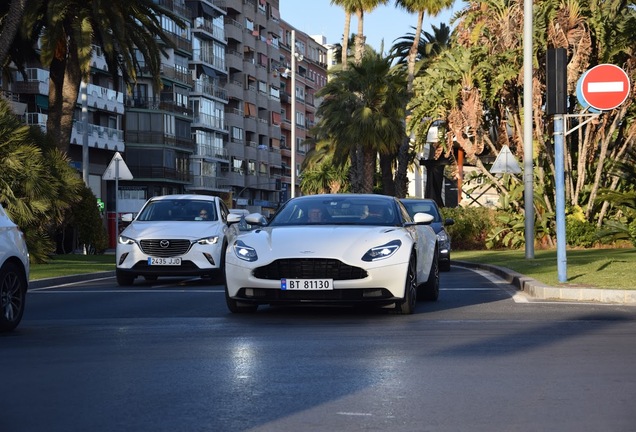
{"x": 603, "y": 87}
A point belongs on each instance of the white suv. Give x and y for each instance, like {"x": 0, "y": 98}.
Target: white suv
{"x": 14, "y": 273}
{"x": 174, "y": 235}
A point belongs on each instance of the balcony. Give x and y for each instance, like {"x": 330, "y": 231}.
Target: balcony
{"x": 160, "y": 173}
{"x": 99, "y": 137}
{"x": 207, "y": 183}
{"x": 103, "y": 98}
{"x": 160, "y": 139}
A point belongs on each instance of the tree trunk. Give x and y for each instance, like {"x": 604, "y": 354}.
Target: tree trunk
{"x": 11, "y": 22}
{"x": 56, "y": 82}
{"x": 386, "y": 168}
{"x": 369, "y": 158}
{"x": 360, "y": 39}
{"x": 345, "y": 39}
{"x": 413, "y": 52}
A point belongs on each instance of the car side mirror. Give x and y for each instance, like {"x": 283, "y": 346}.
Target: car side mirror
{"x": 256, "y": 219}
{"x": 422, "y": 218}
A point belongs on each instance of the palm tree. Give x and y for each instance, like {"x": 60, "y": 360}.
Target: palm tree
{"x": 11, "y": 13}
{"x": 68, "y": 30}
{"x": 37, "y": 184}
{"x": 363, "y": 106}
{"x": 431, "y": 7}
{"x": 349, "y": 7}
{"x": 430, "y": 44}
{"x": 428, "y": 47}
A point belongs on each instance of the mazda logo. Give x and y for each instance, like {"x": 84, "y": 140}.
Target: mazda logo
{"x": 164, "y": 243}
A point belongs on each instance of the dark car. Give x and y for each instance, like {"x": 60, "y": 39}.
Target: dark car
{"x": 423, "y": 205}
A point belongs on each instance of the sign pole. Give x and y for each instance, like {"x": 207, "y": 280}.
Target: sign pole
{"x": 559, "y": 162}
{"x": 116, "y": 199}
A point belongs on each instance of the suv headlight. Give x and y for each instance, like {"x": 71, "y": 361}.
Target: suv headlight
{"x": 126, "y": 240}
{"x": 382, "y": 252}
{"x": 208, "y": 240}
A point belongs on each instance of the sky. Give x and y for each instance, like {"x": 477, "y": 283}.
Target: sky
{"x": 319, "y": 17}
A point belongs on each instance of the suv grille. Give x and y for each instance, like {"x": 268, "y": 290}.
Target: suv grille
{"x": 165, "y": 248}
{"x": 309, "y": 268}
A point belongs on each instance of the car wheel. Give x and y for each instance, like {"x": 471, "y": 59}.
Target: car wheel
{"x": 13, "y": 286}
{"x": 407, "y": 305}
{"x": 445, "y": 265}
{"x": 429, "y": 291}
{"x": 218, "y": 276}
{"x": 124, "y": 279}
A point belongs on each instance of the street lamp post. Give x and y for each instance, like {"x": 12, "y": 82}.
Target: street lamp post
{"x": 293, "y": 113}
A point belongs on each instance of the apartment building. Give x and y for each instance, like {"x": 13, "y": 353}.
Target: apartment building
{"x": 220, "y": 125}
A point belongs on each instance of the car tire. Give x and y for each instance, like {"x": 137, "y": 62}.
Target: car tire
{"x": 237, "y": 307}
{"x": 429, "y": 290}
{"x": 407, "y": 305}
{"x": 124, "y": 279}
{"x": 218, "y": 276}
{"x": 13, "y": 286}
{"x": 445, "y": 265}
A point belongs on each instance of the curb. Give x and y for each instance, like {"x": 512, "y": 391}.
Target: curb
{"x": 539, "y": 290}
{"x": 41, "y": 283}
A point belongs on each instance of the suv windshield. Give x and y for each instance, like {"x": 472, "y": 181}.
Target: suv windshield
{"x": 178, "y": 210}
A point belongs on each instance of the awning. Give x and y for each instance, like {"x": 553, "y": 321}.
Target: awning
{"x": 206, "y": 9}
{"x": 209, "y": 71}
{"x": 42, "y": 101}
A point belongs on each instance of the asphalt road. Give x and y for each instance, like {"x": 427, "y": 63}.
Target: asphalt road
{"x": 169, "y": 356}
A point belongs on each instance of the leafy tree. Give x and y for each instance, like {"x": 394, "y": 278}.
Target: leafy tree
{"x": 477, "y": 88}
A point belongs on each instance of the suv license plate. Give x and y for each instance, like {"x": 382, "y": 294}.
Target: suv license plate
{"x": 164, "y": 261}
{"x": 306, "y": 284}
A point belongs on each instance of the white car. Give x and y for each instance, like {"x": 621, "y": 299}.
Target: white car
{"x": 14, "y": 273}
{"x": 173, "y": 235}
{"x": 355, "y": 249}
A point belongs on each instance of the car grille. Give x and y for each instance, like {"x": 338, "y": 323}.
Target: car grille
{"x": 165, "y": 248}
{"x": 309, "y": 268}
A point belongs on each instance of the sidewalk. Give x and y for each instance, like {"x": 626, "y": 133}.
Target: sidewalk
{"x": 538, "y": 290}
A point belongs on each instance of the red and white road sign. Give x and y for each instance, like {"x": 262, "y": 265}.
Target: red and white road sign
{"x": 605, "y": 87}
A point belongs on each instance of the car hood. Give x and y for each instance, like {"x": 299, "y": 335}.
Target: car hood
{"x": 323, "y": 241}
{"x": 172, "y": 230}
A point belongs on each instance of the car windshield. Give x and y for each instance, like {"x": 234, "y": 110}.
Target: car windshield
{"x": 320, "y": 210}
{"x": 422, "y": 207}
{"x": 178, "y": 210}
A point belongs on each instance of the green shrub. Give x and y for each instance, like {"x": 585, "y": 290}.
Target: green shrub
{"x": 470, "y": 228}
{"x": 580, "y": 233}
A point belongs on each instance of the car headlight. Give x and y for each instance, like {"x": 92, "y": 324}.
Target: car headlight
{"x": 244, "y": 252}
{"x": 208, "y": 240}
{"x": 382, "y": 252}
{"x": 442, "y": 237}
{"x": 125, "y": 240}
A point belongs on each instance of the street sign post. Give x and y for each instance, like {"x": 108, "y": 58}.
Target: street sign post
{"x": 604, "y": 87}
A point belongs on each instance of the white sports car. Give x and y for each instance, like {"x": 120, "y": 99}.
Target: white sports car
{"x": 352, "y": 249}
{"x": 174, "y": 235}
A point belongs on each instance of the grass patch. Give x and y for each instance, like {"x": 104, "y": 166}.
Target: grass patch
{"x": 64, "y": 265}
{"x": 596, "y": 268}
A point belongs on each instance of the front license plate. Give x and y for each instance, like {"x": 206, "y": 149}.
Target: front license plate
{"x": 306, "y": 284}
{"x": 164, "y": 261}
